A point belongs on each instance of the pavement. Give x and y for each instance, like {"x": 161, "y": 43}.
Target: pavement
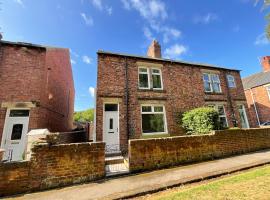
{"x": 132, "y": 185}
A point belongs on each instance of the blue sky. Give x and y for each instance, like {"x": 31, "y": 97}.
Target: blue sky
{"x": 227, "y": 33}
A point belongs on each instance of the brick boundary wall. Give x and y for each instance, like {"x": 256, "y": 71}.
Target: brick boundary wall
{"x": 53, "y": 166}
{"x": 73, "y": 137}
{"x": 150, "y": 154}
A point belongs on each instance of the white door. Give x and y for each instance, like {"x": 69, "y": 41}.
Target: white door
{"x": 243, "y": 116}
{"x": 111, "y": 129}
{"x": 14, "y": 137}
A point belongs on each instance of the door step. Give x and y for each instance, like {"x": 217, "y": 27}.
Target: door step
{"x": 113, "y": 153}
{"x": 114, "y": 160}
{"x": 116, "y": 170}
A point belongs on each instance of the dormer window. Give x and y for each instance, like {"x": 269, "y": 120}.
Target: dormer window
{"x": 150, "y": 78}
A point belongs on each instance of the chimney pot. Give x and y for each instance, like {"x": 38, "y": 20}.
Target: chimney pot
{"x": 265, "y": 62}
{"x": 154, "y": 50}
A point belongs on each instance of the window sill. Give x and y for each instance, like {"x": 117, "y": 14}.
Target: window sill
{"x": 214, "y": 93}
{"x": 152, "y": 90}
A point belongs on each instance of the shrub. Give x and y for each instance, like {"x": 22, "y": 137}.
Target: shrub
{"x": 200, "y": 120}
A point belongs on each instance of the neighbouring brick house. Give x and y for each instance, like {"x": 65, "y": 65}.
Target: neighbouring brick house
{"x": 144, "y": 95}
{"x": 257, "y": 91}
{"x": 37, "y": 91}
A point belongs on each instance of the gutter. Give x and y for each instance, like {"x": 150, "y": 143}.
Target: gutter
{"x": 255, "y": 107}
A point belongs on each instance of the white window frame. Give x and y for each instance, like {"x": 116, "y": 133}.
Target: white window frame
{"x": 152, "y": 112}
{"x": 230, "y": 79}
{"x": 215, "y": 106}
{"x": 160, "y": 74}
{"x": 148, "y": 76}
{"x": 211, "y": 81}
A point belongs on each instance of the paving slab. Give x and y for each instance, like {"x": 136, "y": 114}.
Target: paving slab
{"x": 123, "y": 187}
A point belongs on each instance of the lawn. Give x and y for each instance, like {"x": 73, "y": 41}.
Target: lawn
{"x": 254, "y": 184}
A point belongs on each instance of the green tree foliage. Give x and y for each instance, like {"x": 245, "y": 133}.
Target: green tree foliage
{"x": 84, "y": 116}
{"x": 200, "y": 120}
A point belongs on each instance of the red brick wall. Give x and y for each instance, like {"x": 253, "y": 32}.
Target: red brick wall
{"x": 24, "y": 77}
{"x": 149, "y": 154}
{"x": 53, "y": 166}
{"x": 183, "y": 90}
{"x": 262, "y": 104}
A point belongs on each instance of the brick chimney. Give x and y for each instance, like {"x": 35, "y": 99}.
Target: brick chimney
{"x": 154, "y": 50}
{"x": 265, "y": 62}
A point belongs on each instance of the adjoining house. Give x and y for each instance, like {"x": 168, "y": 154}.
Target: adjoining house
{"x": 257, "y": 91}
{"x": 141, "y": 96}
{"x": 37, "y": 91}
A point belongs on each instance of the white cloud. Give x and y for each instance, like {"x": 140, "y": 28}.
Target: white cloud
{"x": 109, "y": 10}
{"x": 74, "y": 53}
{"x": 92, "y": 91}
{"x": 175, "y": 51}
{"x": 97, "y": 4}
{"x": 205, "y": 19}
{"x": 147, "y": 33}
{"x": 73, "y": 62}
{"x": 87, "y": 19}
{"x": 87, "y": 59}
{"x": 170, "y": 33}
{"x": 126, "y": 4}
{"x": 261, "y": 40}
{"x": 19, "y": 2}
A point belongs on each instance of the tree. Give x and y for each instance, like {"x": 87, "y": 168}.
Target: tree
{"x": 84, "y": 116}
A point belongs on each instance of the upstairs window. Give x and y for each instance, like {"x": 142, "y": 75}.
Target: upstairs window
{"x": 150, "y": 78}
{"x": 156, "y": 78}
{"x": 231, "y": 82}
{"x": 144, "y": 78}
{"x": 211, "y": 83}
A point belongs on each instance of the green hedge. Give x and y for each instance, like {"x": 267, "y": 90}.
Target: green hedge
{"x": 200, "y": 120}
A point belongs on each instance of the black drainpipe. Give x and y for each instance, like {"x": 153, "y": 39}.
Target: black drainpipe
{"x": 127, "y": 97}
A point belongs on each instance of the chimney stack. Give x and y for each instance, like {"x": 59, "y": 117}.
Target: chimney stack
{"x": 265, "y": 62}
{"x": 154, "y": 50}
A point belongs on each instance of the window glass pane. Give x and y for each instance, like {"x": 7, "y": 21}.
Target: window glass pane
{"x": 146, "y": 108}
{"x": 207, "y": 86}
{"x": 215, "y": 78}
{"x": 19, "y": 113}
{"x": 216, "y": 87}
{"x": 206, "y": 77}
{"x": 221, "y": 110}
{"x": 223, "y": 121}
{"x": 16, "y": 132}
{"x": 158, "y": 109}
{"x": 142, "y": 70}
{"x": 156, "y": 71}
{"x": 111, "y": 107}
{"x": 143, "y": 81}
{"x": 152, "y": 123}
{"x": 111, "y": 123}
{"x": 156, "y": 81}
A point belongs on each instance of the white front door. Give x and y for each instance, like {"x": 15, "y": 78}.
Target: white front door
{"x": 111, "y": 127}
{"x": 243, "y": 116}
{"x": 14, "y": 134}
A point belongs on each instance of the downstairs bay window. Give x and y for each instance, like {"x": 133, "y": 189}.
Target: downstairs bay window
{"x": 153, "y": 119}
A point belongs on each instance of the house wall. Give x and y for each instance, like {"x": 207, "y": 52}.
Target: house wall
{"x": 149, "y": 154}
{"x": 262, "y": 102}
{"x": 183, "y": 90}
{"x": 35, "y": 74}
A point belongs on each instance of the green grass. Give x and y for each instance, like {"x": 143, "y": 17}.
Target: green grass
{"x": 254, "y": 184}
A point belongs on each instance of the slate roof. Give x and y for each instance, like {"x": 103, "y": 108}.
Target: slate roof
{"x": 256, "y": 80}
{"x": 167, "y": 60}
{"x": 26, "y": 44}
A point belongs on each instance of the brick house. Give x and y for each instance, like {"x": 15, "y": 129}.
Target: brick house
{"x": 257, "y": 91}
{"x": 36, "y": 92}
{"x": 137, "y": 96}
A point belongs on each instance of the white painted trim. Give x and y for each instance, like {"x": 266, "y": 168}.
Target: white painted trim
{"x": 161, "y": 79}
{"x": 148, "y": 75}
{"x": 228, "y": 76}
{"x": 212, "y": 82}
{"x": 152, "y": 112}
{"x": 245, "y": 114}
